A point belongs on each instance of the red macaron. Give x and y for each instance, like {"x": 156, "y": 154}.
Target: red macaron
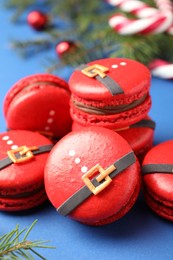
{"x": 157, "y": 172}
{"x": 139, "y": 135}
{"x": 112, "y": 93}
{"x": 23, "y": 156}
{"x": 39, "y": 102}
{"x": 92, "y": 176}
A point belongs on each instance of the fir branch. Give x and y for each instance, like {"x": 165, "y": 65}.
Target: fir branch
{"x": 86, "y": 24}
{"x": 19, "y": 6}
{"x": 28, "y": 48}
{"x": 12, "y": 248}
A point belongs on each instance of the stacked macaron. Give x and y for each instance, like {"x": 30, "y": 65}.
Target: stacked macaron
{"x": 114, "y": 93}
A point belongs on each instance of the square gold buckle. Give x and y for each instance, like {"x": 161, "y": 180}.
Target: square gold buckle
{"x": 104, "y": 174}
{"x": 94, "y": 70}
{"x": 22, "y": 150}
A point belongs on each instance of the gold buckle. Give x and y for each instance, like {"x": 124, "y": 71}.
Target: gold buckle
{"x": 104, "y": 174}
{"x": 94, "y": 70}
{"x": 22, "y": 150}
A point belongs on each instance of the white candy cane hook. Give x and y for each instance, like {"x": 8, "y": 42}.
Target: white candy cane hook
{"x": 162, "y": 69}
{"x": 150, "y": 20}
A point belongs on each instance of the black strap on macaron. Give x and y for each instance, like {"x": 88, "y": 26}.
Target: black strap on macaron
{"x": 17, "y": 154}
{"x": 146, "y": 123}
{"x": 157, "y": 168}
{"x": 81, "y": 195}
{"x": 107, "y": 81}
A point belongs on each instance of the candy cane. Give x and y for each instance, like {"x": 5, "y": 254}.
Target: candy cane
{"x": 170, "y": 30}
{"x": 138, "y": 8}
{"x": 151, "y": 20}
{"x": 162, "y": 69}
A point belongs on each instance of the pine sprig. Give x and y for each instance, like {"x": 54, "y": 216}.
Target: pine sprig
{"x": 27, "y": 48}
{"x": 86, "y": 24}
{"x": 19, "y": 6}
{"x": 14, "y": 246}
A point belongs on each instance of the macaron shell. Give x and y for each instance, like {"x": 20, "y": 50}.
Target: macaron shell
{"x": 132, "y": 76}
{"x": 45, "y": 109}
{"x": 75, "y": 154}
{"x": 160, "y": 184}
{"x": 39, "y": 103}
{"x": 123, "y": 211}
{"x": 26, "y": 176}
{"x": 159, "y": 206}
{"x": 31, "y": 80}
{"x": 139, "y": 138}
{"x": 19, "y": 204}
{"x": 113, "y": 121}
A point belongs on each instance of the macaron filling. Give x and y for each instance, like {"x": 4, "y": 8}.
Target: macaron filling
{"x": 160, "y": 206}
{"x": 35, "y": 86}
{"x": 106, "y": 110}
{"x": 21, "y": 194}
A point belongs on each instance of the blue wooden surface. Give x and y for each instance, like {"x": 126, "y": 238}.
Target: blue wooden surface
{"x": 140, "y": 234}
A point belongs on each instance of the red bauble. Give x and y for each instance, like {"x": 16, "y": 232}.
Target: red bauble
{"x": 37, "y": 20}
{"x": 64, "y": 47}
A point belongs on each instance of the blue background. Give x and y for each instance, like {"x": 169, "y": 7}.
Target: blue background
{"x": 140, "y": 234}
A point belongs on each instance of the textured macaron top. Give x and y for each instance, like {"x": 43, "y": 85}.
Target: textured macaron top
{"x": 127, "y": 80}
{"x": 20, "y": 178}
{"x": 73, "y": 156}
{"x": 39, "y": 102}
{"x": 35, "y": 81}
{"x": 160, "y": 180}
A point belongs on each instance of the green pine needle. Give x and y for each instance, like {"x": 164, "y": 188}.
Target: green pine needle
{"x": 13, "y": 248}
{"x": 86, "y": 24}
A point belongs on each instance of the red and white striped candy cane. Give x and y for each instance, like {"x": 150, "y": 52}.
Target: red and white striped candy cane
{"x": 162, "y": 69}
{"x": 151, "y": 20}
{"x": 138, "y": 8}
{"x": 170, "y": 30}
{"x": 141, "y": 9}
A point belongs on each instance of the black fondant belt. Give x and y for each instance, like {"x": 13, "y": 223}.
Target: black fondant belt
{"x": 157, "y": 168}
{"x": 97, "y": 184}
{"x": 97, "y": 71}
{"x": 22, "y": 154}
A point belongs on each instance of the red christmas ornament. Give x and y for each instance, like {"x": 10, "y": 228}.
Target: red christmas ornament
{"x": 37, "y": 20}
{"x": 64, "y": 47}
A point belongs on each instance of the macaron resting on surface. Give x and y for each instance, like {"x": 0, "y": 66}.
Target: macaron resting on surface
{"x": 75, "y": 155}
{"x": 39, "y": 102}
{"x": 23, "y": 155}
{"x": 111, "y": 92}
{"x": 158, "y": 179}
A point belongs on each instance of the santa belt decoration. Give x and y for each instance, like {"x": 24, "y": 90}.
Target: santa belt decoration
{"x": 97, "y": 184}
{"x": 144, "y": 123}
{"x": 98, "y": 72}
{"x": 23, "y": 154}
{"x": 157, "y": 168}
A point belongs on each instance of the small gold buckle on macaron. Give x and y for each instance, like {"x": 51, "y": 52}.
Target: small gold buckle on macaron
{"x": 104, "y": 175}
{"x": 24, "y": 152}
{"x": 95, "y": 70}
